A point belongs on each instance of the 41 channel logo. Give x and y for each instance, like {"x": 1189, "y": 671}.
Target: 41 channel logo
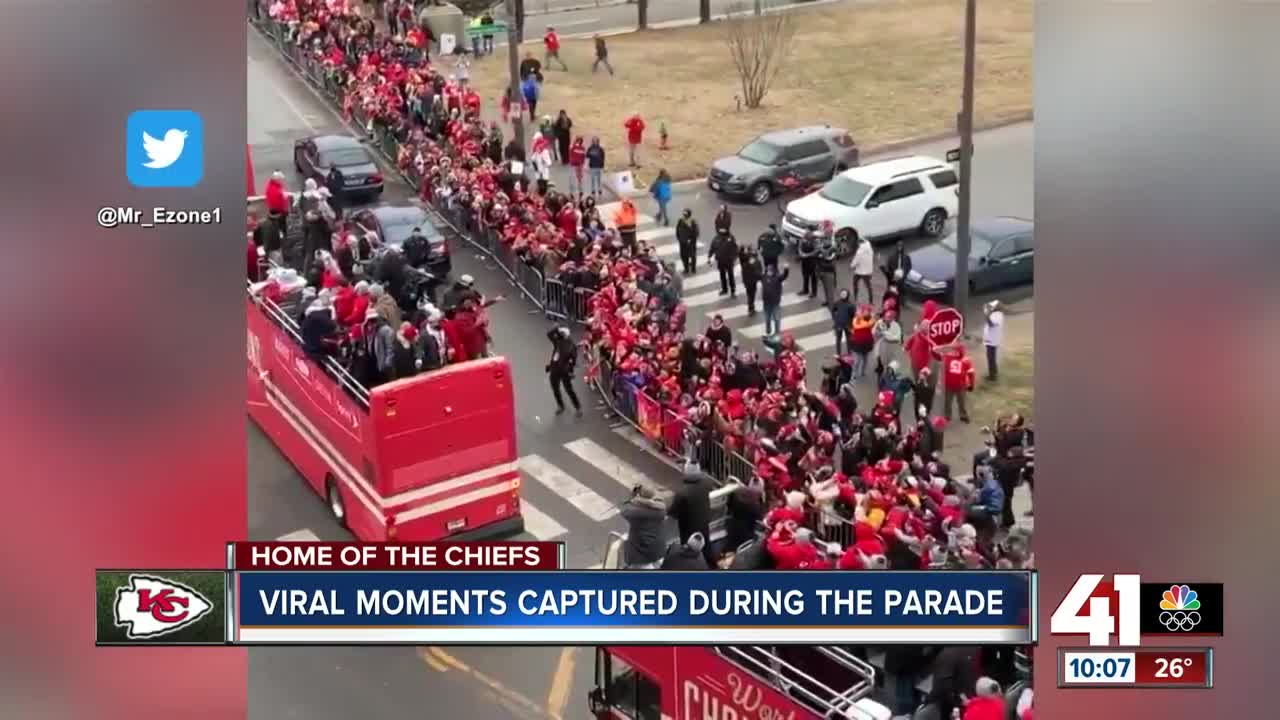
{"x": 171, "y": 607}
{"x": 1129, "y": 609}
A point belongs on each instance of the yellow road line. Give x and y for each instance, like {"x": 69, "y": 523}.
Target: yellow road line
{"x": 435, "y": 656}
{"x": 435, "y": 664}
{"x": 561, "y": 683}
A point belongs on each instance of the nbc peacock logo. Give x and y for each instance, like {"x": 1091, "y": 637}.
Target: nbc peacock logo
{"x": 1178, "y": 609}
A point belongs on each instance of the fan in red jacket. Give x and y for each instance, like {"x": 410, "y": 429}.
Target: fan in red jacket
{"x": 635, "y": 135}
{"x": 359, "y": 305}
{"x": 989, "y": 703}
{"x": 277, "y": 197}
{"x": 919, "y": 348}
{"x": 791, "y": 512}
{"x": 957, "y": 379}
{"x": 568, "y": 221}
{"x": 792, "y": 548}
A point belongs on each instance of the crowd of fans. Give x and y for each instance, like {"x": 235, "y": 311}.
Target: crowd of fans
{"x": 823, "y": 466}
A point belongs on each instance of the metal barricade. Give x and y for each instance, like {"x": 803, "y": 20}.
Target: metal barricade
{"x": 566, "y": 302}
{"x": 529, "y": 280}
{"x": 720, "y": 509}
{"x": 828, "y": 526}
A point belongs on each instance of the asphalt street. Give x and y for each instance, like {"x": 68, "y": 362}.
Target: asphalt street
{"x": 576, "y": 470}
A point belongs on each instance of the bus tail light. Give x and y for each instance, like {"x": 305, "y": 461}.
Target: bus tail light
{"x": 391, "y": 527}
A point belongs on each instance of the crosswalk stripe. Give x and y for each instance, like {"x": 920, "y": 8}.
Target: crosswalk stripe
{"x": 706, "y": 298}
{"x": 575, "y": 493}
{"x": 741, "y": 311}
{"x": 666, "y": 250}
{"x": 817, "y": 341}
{"x": 303, "y": 535}
{"x": 606, "y": 462}
{"x": 791, "y": 322}
{"x": 702, "y": 279}
{"x": 538, "y": 523}
{"x": 657, "y": 233}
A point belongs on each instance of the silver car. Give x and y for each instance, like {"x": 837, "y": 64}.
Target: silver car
{"x": 815, "y": 154}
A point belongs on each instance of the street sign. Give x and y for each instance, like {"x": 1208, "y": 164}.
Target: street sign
{"x": 953, "y": 156}
{"x": 945, "y": 326}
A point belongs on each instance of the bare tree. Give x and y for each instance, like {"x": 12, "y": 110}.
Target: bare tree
{"x": 704, "y": 11}
{"x": 759, "y": 46}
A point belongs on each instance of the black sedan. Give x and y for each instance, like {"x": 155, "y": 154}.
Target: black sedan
{"x": 394, "y": 224}
{"x": 1002, "y": 254}
{"x": 315, "y": 156}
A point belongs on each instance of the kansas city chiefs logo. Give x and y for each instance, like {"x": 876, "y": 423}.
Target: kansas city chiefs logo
{"x": 152, "y": 606}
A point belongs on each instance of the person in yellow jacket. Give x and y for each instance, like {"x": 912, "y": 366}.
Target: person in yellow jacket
{"x": 625, "y": 220}
{"x": 474, "y": 31}
{"x": 862, "y": 339}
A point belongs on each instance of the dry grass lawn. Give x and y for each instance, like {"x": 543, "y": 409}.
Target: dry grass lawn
{"x": 888, "y": 71}
{"x": 1013, "y": 393}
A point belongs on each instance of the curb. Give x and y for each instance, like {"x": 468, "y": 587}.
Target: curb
{"x": 576, "y": 8}
{"x": 690, "y": 22}
{"x": 871, "y": 152}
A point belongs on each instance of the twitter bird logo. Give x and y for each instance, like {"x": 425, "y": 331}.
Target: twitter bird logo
{"x": 164, "y": 148}
{"x": 163, "y": 153}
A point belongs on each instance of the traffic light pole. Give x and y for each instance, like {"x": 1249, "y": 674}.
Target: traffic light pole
{"x": 513, "y": 66}
{"x": 960, "y": 291}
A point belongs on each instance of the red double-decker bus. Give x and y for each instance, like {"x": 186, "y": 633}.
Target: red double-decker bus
{"x": 424, "y": 458}
{"x": 743, "y": 682}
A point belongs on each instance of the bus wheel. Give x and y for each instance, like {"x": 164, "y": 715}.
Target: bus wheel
{"x": 336, "y": 506}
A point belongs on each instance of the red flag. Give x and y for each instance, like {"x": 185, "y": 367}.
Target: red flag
{"x": 248, "y": 164}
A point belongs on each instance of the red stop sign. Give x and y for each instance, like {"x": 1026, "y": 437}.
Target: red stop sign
{"x": 946, "y": 326}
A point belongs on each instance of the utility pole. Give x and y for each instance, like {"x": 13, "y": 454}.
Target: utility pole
{"x": 960, "y": 294}
{"x": 513, "y": 66}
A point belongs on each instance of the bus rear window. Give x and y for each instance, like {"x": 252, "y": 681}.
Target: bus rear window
{"x": 633, "y": 694}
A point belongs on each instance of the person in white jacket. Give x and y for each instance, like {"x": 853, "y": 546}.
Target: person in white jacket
{"x": 888, "y": 334}
{"x": 540, "y": 157}
{"x": 863, "y": 266}
{"x": 824, "y": 494}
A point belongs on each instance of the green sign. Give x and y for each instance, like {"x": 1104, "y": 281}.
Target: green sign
{"x": 495, "y": 29}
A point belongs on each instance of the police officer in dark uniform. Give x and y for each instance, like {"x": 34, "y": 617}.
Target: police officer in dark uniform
{"x": 770, "y": 246}
{"x": 416, "y": 248}
{"x": 687, "y": 236}
{"x": 807, "y": 249}
{"x": 336, "y": 185}
{"x": 564, "y": 356}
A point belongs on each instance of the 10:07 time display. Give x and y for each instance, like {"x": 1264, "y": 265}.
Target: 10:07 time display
{"x": 1087, "y": 667}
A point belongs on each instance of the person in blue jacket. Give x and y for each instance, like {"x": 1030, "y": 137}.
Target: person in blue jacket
{"x": 661, "y": 192}
{"x": 531, "y": 91}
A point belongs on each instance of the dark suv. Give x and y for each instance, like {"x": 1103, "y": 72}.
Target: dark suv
{"x": 814, "y": 153}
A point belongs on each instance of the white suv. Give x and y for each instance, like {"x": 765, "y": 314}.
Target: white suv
{"x": 878, "y": 201}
